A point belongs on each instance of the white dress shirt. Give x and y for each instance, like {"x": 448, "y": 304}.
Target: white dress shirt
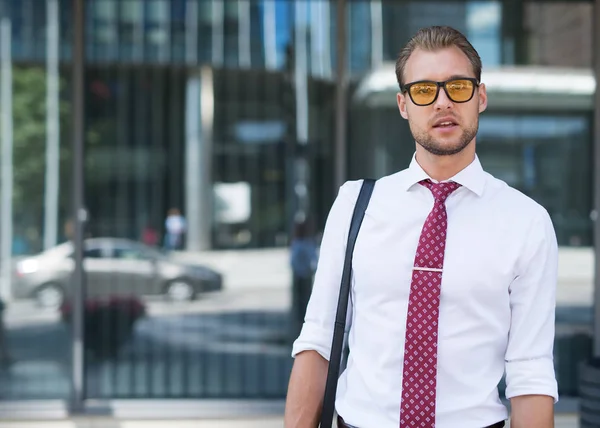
{"x": 497, "y": 299}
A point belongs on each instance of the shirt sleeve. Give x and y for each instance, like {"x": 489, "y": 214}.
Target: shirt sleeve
{"x": 529, "y": 354}
{"x": 317, "y": 330}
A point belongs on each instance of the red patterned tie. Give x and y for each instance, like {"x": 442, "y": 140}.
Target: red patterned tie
{"x": 420, "y": 354}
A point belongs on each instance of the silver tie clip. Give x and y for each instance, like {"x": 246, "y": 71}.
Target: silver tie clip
{"x": 427, "y": 269}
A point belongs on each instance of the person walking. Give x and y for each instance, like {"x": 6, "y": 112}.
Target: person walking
{"x": 454, "y": 275}
{"x": 176, "y": 227}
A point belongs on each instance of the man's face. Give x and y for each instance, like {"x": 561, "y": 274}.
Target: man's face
{"x": 444, "y": 127}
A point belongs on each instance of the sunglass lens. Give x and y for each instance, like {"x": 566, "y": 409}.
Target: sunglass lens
{"x": 460, "y": 90}
{"x": 423, "y": 93}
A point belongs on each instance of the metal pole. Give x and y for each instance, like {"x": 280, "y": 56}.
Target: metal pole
{"x": 52, "y": 127}
{"x": 376, "y": 33}
{"x": 218, "y": 37}
{"x": 6, "y": 187}
{"x": 207, "y": 118}
{"x": 199, "y": 120}
{"x": 301, "y": 163}
{"x": 270, "y": 42}
{"x": 300, "y": 69}
{"x": 244, "y": 35}
{"x": 191, "y": 33}
{"x": 596, "y": 169}
{"x": 341, "y": 94}
{"x": 192, "y": 160}
{"x": 317, "y": 29}
{"x": 79, "y": 212}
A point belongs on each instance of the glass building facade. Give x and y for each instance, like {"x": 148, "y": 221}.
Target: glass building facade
{"x": 226, "y": 111}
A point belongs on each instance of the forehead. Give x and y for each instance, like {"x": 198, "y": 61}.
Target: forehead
{"x": 437, "y": 65}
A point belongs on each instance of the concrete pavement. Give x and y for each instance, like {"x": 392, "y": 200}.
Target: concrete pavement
{"x": 561, "y": 421}
{"x": 111, "y": 423}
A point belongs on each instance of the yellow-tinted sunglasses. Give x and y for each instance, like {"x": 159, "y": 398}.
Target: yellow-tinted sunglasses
{"x": 425, "y": 92}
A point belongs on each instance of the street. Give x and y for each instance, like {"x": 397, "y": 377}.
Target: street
{"x": 225, "y": 345}
{"x": 229, "y": 344}
{"x": 561, "y": 421}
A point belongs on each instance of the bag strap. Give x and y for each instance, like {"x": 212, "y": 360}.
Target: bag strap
{"x": 342, "y": 309}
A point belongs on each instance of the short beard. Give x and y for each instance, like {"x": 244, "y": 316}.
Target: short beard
{"x": 432, "y": 146}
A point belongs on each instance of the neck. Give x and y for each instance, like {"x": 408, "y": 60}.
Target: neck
{"x": 442, "y": 168}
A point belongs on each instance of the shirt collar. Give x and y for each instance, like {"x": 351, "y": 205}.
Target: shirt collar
{"x": 472, "y": 177}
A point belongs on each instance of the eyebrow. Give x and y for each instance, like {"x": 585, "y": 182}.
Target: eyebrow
{"x": 454, "y": 76}
{"x": 459, "y": 76}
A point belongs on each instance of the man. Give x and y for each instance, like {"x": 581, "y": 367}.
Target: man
{"x": 454, "y": 275}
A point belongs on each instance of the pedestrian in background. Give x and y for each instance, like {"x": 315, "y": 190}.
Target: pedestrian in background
{"x": 176, "y": 226}
{"x": 303, "y": 260}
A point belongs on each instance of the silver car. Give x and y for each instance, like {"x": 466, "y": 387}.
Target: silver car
{"x": 113, "y": 266}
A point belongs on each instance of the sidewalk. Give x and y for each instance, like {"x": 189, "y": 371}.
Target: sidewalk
{"x": 566, "y": 421}
{"x": 271, "y": 422}
{"x": 561, "y": 421}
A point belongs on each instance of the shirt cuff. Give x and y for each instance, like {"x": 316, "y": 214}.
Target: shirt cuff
{"x": 313, "y": 338}
{"x": 531, "y": 377}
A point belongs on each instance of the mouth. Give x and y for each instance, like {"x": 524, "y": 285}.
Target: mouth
{"x": 445, "y": 124}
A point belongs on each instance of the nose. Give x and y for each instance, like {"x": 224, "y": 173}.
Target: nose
{"x": 443, "y": 102}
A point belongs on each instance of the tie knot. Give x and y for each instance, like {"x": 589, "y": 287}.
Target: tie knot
{"x": 440, "y": 191}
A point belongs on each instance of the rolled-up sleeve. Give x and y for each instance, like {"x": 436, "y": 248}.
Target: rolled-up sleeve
{"x": 317, "y": 330}
{"x": 529, "y": 354}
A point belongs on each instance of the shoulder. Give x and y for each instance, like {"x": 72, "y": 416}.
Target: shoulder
{"x": 513, "y": 204}
{"x": 384, "y": 196}
{"x": 351, "y": 189}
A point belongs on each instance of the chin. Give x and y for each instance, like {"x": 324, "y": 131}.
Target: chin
{"x": 445, "y": 148}
{"x": 446, "y": 151}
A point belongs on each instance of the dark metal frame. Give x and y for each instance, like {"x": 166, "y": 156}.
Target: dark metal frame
{"x": 341, "y": 113}
{"x": 596, "y": 155}
{"x": 79, "y": 213}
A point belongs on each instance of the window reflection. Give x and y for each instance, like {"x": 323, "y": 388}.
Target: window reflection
{"x": 479, "y": 20}
{"x": 484, "y": 30}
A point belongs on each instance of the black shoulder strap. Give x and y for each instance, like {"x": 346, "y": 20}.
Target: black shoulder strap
{"x": 340, "y": 319}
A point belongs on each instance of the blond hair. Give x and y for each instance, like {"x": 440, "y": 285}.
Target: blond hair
{"x": 435, "y": 38}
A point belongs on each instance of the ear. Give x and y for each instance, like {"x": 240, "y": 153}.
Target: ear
{"x": 401, "y": 100}
{"x": 482, "y": 98}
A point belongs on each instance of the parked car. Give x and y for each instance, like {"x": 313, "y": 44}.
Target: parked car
{"x": 113, "y": 266}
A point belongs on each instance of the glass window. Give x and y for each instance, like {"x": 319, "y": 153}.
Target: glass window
{"x": 134, "y": 252}
{"x": 205, "y": 10}
{"x": 96, "y": 253}
{"x": 130, "y": 28}
{"x": 283, "y": 31}
{"x": 557, "y": 33}
{"x": 157, "y": 29}
{"x": 104, "y": 17}
{"x": 232, "y": 9}
{"x": 359, "y": 34}
{"x": 484, "y": 19}
{"x": 129, "y": 253}
{"x": 131, "y": 11}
